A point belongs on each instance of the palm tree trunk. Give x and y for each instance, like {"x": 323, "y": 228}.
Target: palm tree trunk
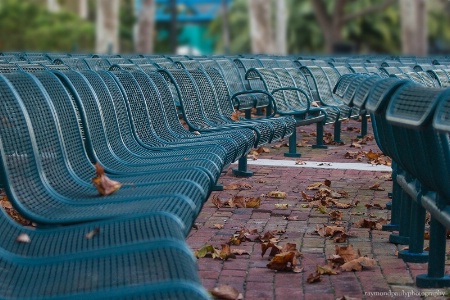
{"x": 107, "y": 26}
{"x": 260, "y": 26}
{"x": 146, "y": 25}
{"x": 281, "y": 29}
{"x": 414, "y": 27}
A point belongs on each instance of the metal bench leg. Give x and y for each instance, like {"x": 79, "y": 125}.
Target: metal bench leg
{"x": 363, "y": 126}
{"x": 218, "y": 187}
{"x": 402, "y": 237}
{"x": 436, "y": 277}
{"x": 242, "y": 170}
{"x": 395, "y": 203}
{"x": 337, "y": 132}
{"x": 415, "y": 252}
{"x": 319, "y": 137}
{"x": 293, "y": 146}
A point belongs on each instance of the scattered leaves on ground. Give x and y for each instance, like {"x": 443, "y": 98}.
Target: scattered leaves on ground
{"x": 104, "y": 185}
{"x": 281, "y": 205}
{"x": 238, "y": 186}
{"x": 208, "y": 250}
{"x": 237, "y": 202}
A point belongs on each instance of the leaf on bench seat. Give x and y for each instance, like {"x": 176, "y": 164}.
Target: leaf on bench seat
{"x": 235, "y": 116}
{"x": 23, "y": 238}
{"x": 104, "y": 185}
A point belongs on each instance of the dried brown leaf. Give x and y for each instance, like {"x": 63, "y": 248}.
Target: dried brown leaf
{"x": 238, "y": 186}
{"x": 235, "y": 116}
{"x": 281, "y": 205}
{"x": 23, "y": 238}
{"x": 314, "y": 277}
{"x": 276, "y": 194}
{"x": 92, "y": 233}
{"x": 218, "y": 226}
{"x": 358, "y": 264}
{"x": 253, "y": 202}
{"x": 326, "y": 270}
{"x": 216, "y": 201}
{"x": 335, "y": 215}
{"x": 376, "y": 187}
{"x": 347, "y": 253}
{"x": 104, "y": 185}
{"x": 226, "y": 292}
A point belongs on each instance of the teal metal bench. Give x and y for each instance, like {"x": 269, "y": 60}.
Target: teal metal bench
{"x": 41, "y": 159}
{"x": 423, "y": 152}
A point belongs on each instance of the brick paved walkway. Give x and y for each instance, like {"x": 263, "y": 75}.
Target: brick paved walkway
{"x": 249, "y": 274}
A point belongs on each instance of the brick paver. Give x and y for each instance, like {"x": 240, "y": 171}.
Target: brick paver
{"x": 249, "y": 273}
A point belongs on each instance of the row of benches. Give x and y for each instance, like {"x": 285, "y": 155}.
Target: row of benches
{"x": 412, "y": 125}
{"x": 58, "y": 122}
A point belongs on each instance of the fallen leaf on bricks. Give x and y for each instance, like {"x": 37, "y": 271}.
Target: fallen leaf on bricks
{"x": 329, "y": 231}
{"x": 276, "y": 194}
{"x": 286, "y": 259}
{"x": 335, "y": 215}
{"x": 218, "y": 226}
{"x": 226, "y": 292}
{"x": 326, "y": 270}
{"x": 253, "y": 202}
{"x": 376, "y": 187}
{"x": 263, "y": 150}
{"x": 378, "y": 224}
{"x": 216, "y": 201}
{"x": 358, "y": 264}
{"x": 238, "y": 186}
{"x": 314, "y": 277}
{"x": 281, "y": 205}
{"x": 347, "y": 253}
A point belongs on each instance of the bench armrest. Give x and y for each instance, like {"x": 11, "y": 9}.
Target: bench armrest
{"x": 271, "y": 99}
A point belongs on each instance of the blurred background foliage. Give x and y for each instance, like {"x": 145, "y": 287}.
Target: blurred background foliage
{"x": 27, "y": 25}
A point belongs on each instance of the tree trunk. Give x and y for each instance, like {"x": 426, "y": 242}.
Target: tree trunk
{"x": 83, "y": 9}
{"x": 53, "y": 6}
{"x": 225, "y": 28}
{"x": 281, "y": 29}
{"x": 414, "y": 27}
{"x": 260, "y": 26}
{"x": 107, "y": 26}
{"x": 146, "y": 25}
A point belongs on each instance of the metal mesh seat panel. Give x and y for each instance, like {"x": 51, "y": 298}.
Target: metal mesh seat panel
{"x": 24, "y": 170}
{"x": 91, "y": 274}
{"x": 70, "y": 240}
{"x": 351, "y": 90}
{"x": 363, "y": 91}
{"x": 413, "y": 106}
{"x": 102, "y": 146}
{"x": 295, "y": 100}
{"x": 271, "y": 128}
